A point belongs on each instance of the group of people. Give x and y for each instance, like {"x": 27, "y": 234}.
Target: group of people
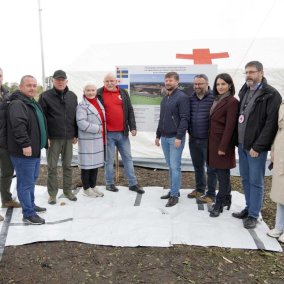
{"x": 216, "y": 122}
{"x": 56, "y": 122}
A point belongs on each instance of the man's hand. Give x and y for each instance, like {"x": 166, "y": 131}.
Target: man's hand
{"x": 253, "y": 153}
{"x": 101, "y": 129}
{"x": 133, "y": 132}
{"x": 177, "y": 143}
{"x": 48, "y": 143}
{"x": 27, "y": 151}
{"x": 272, "y": 159}
{"x": 75, "y": 139}
{"x": 157, "y": 142}
{"x": 220, "y": 153}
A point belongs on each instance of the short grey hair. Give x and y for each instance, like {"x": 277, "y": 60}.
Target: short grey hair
{"x": 202, "y": 76}
{"x": 1, "y": 70}
{"x": 89, "y": 83}
{"x": 27, "y": 76}
{"x": 255, "y": 64}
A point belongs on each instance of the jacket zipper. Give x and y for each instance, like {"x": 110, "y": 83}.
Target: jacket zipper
{"x": 174, "y": 121}
{"x": 165, "y": 113}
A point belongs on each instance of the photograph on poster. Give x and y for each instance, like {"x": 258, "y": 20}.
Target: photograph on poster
{"x": 149, "y": 89}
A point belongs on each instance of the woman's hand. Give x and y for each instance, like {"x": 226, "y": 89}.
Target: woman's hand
{"x": 101, "y": 129}
{"x": 272, "y": 159}
{"x": 220, "y": 153}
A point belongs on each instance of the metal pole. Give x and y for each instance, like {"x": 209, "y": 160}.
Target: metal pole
{"x": 41, "y": 42}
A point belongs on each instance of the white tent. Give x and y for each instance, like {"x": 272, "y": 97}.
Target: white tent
{"x": 97, "y": 60}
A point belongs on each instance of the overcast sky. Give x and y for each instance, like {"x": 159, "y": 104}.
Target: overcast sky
{"x": 70, "y": 26}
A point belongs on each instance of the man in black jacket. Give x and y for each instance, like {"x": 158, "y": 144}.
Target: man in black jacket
{"x": 27, "y": 135}
{"x": 119, "y": 120}
{"x": 257, "y": 127}
{"x": 173, "y": 124}
{"x": 59, "y": 106}
{"x": 6, "y": 167}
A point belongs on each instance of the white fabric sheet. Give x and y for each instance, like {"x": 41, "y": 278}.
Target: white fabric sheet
{"x": 128, "y": 219}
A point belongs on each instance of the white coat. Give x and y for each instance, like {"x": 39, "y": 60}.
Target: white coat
{"x": 90, "y": 142}
{"x": 277, "y": 151}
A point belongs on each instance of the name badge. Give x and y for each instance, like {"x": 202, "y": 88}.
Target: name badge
{"x": 241, "y": 118}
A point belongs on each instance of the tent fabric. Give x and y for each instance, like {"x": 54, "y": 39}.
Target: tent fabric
{"x": 100, "y": 59}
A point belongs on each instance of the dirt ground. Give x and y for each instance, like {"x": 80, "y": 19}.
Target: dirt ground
{"x": 71, "y": 262}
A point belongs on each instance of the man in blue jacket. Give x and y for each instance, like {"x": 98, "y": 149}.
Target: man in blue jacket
{"x": 173, "y": 123}
{"x": 200, "y": 104}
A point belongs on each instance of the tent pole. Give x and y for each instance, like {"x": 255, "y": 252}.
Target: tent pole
{"x": 41, "y": 43}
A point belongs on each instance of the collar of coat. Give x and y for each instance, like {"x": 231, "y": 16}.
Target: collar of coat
{"x": 223, "y": 102}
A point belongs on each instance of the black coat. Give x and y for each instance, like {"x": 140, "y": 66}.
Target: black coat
{"x": 60, "y": 112}
{"x": 174, "y": 115}
{"x": 262, "y": 124}
{"x": 4, "y": 103}
{"x": 23, "y": 128}
{"x": 128, "y": 113}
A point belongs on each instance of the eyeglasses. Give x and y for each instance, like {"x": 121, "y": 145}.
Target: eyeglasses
{"x": 198, "y": 84}
{"x": 250, "y": 72}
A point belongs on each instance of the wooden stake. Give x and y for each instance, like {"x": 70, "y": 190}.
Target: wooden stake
{"x": 116, "y": 166}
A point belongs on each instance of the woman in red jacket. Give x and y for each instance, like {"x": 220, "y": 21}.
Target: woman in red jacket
{"x": 221, "y": 155}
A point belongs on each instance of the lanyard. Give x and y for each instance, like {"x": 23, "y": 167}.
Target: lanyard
{"x": 249, "y": 98}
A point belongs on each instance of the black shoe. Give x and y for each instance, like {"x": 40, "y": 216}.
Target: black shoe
{"x": 228, "y": 201}
{"x": 168, "y": 195}
{"x": 218, "y": 208}
{"x": 241, "y": 215}
{"x": 39, "y": 209}
{"x": 111, "y": 187}
{"x": 172, "y": 201}
{"x": 250, "y": 222}
{"x": 35, "y": 220}
{"x": 137, "y": 188}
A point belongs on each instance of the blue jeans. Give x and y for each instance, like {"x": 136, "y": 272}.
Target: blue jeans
{"x": 198, "y": 153}
{"x": 117, "y": 138}
{"x": 27, "y": 171}
{"x": 252, "y": 171}
{"x": 173, "y": 159}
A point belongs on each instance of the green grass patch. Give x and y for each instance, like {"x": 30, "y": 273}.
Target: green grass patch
{"x": 140, "y": 100}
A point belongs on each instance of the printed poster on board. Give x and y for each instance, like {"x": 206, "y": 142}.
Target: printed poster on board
{"x": 146, "y": 87}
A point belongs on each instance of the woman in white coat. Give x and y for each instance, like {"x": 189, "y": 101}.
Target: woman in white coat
{"x": 277, "y": 189}
{"x": 91, "y": 123}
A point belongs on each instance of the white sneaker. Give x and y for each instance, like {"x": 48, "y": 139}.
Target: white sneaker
{"x": 281, "y": 238}
{"x": 99, "y": 193}
{"x": 90, "y": 193}
{"x": 274, "y": 233}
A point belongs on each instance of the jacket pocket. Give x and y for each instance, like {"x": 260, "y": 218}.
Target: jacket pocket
{"x": 174, "y": 121}
{"x": 218, "y": 130}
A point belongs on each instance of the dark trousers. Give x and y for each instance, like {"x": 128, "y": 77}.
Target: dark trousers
{"x": 89, "y": 178}
{"x": 198, "y": 153}
{"x": 7, "y": 171}
{"x": 224, "y": 185}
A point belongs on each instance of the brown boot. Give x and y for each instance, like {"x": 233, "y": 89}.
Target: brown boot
{"x": 12, "y": 204}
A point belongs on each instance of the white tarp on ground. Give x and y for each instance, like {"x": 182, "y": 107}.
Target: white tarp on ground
{"x": 129, "y": 219}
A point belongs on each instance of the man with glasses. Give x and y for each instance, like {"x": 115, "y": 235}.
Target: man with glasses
{"x": 257, "y": 127}
{"x": 200, "y": 104}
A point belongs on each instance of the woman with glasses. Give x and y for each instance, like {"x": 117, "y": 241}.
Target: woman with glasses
{"x": 277, "y": 189}
{"x": 91, "y": 123}
{"x": 221, "y": 155}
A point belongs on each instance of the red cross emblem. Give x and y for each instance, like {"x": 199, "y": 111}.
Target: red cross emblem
{"x": 202, "y": 56}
